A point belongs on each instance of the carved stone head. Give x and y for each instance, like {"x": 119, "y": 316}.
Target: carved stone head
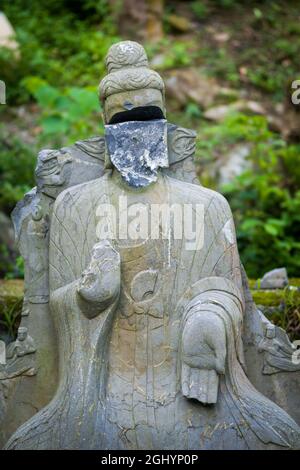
{"x": 131, "y": 91}
{"x": 22, "y": 333}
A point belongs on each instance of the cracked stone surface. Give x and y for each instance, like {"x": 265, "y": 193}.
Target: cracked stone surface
{"x": 138, "y": 149}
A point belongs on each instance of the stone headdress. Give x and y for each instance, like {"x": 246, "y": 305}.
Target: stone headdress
{"x": 128, "y": 69}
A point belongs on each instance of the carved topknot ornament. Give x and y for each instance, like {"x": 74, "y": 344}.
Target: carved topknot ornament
{"x": 128, "y": 70}
{"x": 125, "y": 54}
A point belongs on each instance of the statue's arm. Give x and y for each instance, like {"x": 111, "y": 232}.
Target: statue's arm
{"x": 91, "y": 278}
{"x": 214, "y": 311}
{"x": 99, "y": 284}
{"x": 208, "y": 320}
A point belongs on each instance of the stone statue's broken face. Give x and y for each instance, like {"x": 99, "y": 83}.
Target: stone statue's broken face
{"x": 137, "y": 149}
{"x": 136, "y": 105}
{"x": 136, "y": 135}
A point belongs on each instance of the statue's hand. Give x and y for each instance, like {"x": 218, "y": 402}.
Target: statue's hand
{"x": 203, "y": 356}
{"x": 100, "y": 282}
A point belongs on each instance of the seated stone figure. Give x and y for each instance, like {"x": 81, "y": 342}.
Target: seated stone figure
{"x": 149, "y": 322}
{"x": 23, "y": 345}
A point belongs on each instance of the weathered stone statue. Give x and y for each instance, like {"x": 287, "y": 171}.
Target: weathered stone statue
{"x": 154, "y": 322}
{"x": 23, "y": 345}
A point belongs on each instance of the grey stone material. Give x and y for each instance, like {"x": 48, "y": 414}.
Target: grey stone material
{"x": 137, "y": 150}
{"x": 87, "y": 163}
{"x": 23, "y": 345}
{"x": 148, "y": 333}
{"x": 275, "y": 279}
{"x": 279, "y": 354}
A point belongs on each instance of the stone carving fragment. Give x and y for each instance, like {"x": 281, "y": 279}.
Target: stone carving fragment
{"x": 279, "y": 353}
{"x": 182, "y": 144}
{"x": 23, "y": 345}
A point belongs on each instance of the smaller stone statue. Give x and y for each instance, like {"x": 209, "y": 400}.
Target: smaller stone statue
{"x": 23, "y": 345}
{"x": 279, "y": 353}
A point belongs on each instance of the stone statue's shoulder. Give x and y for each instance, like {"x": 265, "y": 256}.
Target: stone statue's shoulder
{"x": 83, "y": 191}
{"x": 190, "y": 192}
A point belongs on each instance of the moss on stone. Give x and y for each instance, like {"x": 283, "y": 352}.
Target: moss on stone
{"x": 268, "y": 298}
{"x": 11, "y": 291}
{"x": 252, "y": 283}
{"x": 11, "y": 295}
{"x": 281, "y": 306}
{"x": 274, "y": 297}
{"x": 276, "y": 303}
{"x": 294, "y": 281}
{"x": 11, "y": 287}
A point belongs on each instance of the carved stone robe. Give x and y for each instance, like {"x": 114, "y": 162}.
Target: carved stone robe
{"x": 121, "y": 384}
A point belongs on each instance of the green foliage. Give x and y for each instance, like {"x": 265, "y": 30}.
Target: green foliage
{"x": 10, "y": 317}
{"x": 175, "y": 54}
{"x": 279, "y": 43}
{"x": 291, "y": 313}
{"x": 62, "y": 43}
{"x": 287, "y": 313}
{"x": 20, "y": 265}
{"x": 263, "y": 39}
{"x": 192, "y": 110}
{"x": 66, "y": 114}
{"x": 11, "y": 270}
{"x": 17, "y": 162}
{"x": 219, "y": 63}
{"x": 200, "y": 9}
{"x": 265, "y": 199}
{"x": 281, "y": 306}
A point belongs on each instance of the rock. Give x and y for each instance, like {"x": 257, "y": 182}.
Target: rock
{"x": 235, "y": 163}
{"x": 275, "y": 279}
{"x": 7, "y": 34}
{"x": 228, "y": 95}
{"x": 286, "y": 123}
{"x": 219, "y": 113}
{"x": 252, "y": 107}
{"x": 226, "y": 166}
{"x": 222, "y": 37}
{"x": 158, "y": 61}
{"x": 186, "y": 85}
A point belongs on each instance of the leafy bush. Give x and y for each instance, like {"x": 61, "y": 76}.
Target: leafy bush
{"x": 67, "y": 114}
{"x": 17, "y": 162}
{"x": 174, "y": 54}
{"x": 265, "y": 199}
{"x": 10, "y": 318}
{"x": 63, "y": 43}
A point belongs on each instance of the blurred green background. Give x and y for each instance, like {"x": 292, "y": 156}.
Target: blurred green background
{"x": 228, "y": 67}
